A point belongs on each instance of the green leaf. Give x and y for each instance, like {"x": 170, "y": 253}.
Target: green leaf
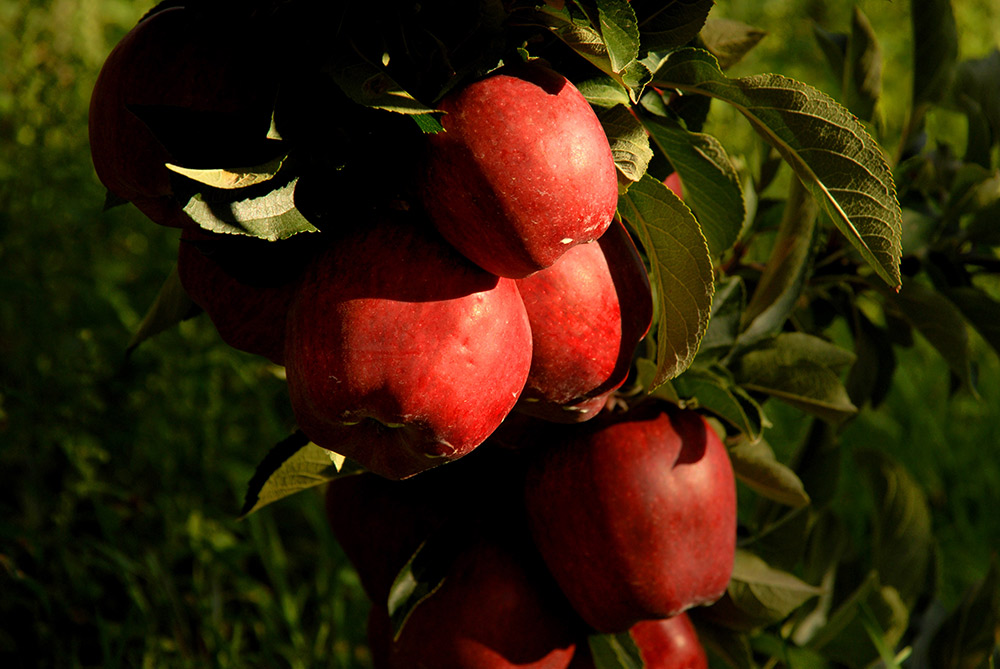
{"x": 755, "y": 464}
{"x": 935, "y": 50}
{"x": 727, "y": 308}
{"x": 834, "y": 47}
{"x": 787, "y": 269}
{"x": 272, "y": 216}
{"x": 681, "y": 267}
{"x": 614, "y": 651}
{"x": 294, "y": 464}
{"x": 828, "y": 149}
{"x": 171, "y": 306}
{"x": 941, "y": 324}
{"x": 369, "y": 84}
{"x": 577, "y": 32}
{"x": 619, "y": 31}
{"x": 870, "y": 378}
{"x": 670, "y": 25}
{"x": 717, "y": 393}
{"x": 862, "y": 84}
{"x": 798, "y": 369}
{"x": 629, "y": 142}
{"x": 765, "y": 594}
{"x": 903, "y": 543}
{"x": 711, "y": 185}
{"x": 733, "y": 647}
{"x": 980, "y": 310}
{"x": 423, "y": 574}
{"x": 974, "y": 91}
{"x": 728, "y": 40}
{"x": 603, "y": 92}
{"x": 847, "y": 637}
{"x": 967, "y": 638}
{"x": 232, "y": 178}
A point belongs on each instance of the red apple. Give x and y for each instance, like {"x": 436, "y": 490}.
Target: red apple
{"x": 588, "y": 312}
{"x": 245, "y": 286}
{"x": 670, "y": 643}
{"x": 497, "y": 608}
{"x": 400, "y": 353}
{"x": 189, "y": 70}
{"x": 635, "y": 514}
{"x": 673, "y": 182}
{"x": 522, "y": 173}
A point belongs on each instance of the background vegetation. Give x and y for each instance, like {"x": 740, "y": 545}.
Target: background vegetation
{"x": 121, "y": 479}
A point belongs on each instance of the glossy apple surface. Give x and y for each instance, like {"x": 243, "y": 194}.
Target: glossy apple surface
{"x": 588, "y": 312}
{"x": 635, "y": 514}
{"x": 183, "y": 73}
{"x": 400, "y": 353}
{"x": 522, "y": 173}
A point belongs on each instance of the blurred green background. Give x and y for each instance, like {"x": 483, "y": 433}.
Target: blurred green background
{"x": 120, "y": 481}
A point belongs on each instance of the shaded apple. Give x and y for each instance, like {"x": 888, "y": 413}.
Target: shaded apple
{"x": 244, "y": 285}
{"x": 379, "y": 523}
{"x": 522, "y": 173}
{"x": 635, "y": 514}
{"x": 588, "y": 311}
{"x": 400, "y": 353}
{"x": 178, "y": 88}
{"x": 497, "y": 608}
{"x": 670, "y": 643}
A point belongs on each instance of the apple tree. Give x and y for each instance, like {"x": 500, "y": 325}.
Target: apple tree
{"x": 538, "y": 320}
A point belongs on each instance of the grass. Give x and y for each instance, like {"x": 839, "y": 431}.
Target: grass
{"x": 120, "y": 481}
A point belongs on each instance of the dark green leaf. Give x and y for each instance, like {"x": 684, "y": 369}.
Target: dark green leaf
{"x": 981, "y": 310}
{"x": 670, "y": 25}
{"x": 727, "y": 308}
{"x": 629, "y": 142}
{"x": 935, "y": 49}
{"x": 681, "y": 268}
{"x": 728, "y": 40}
{"x": 967, "y": 638}
{"x": 870, "y": 378}
{"x": 863, "y": 79}
{"x": 717, "y": 393}
{"x": 847, "y": 637}
{"x": 614, "y": 651}
{"x": 711, "y": 185}
{"x": 834, "y": 47}
{"x": 903, "y": 543}
{"x": 171, "y": 306}
{"x": 798, "y": 369}
{"x": 733, "y": 647}
{"x": 370, "y": 85}
{"x": 272, "y": 216}
{"x": 423, "y": 574}
{"x": 755, "y": 464}
{"x": 763, "y": 593}
{"x": 827, "y": 147}
{"x": 940, "y": 322}
{"x": 974, "y": 91}
{"x": 291, "y": 466}
{"x": 787, "y": 269}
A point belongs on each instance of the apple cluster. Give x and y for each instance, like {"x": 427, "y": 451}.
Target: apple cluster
{"x": 486, "y": 319}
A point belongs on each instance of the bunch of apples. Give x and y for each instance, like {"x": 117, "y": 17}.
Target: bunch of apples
{"x": 496, "y": 307}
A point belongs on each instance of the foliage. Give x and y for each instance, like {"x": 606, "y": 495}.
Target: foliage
{"x": 123, "y": 479}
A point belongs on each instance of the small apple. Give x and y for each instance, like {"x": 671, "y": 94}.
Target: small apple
{"x": 183, "y": 72}
{"x": 588, "y": 312}
{"x": 635, "y": 514}
{"x": 670, "y": 643}
{"x": 400, "y": 353}
{"x": 248, "y": 305}
{"x": 497, "y": 608}
{"x": 522, "y": 172}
